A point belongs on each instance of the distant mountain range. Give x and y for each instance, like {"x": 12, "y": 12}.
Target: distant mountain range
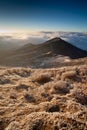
{"x": 31, "y": 54}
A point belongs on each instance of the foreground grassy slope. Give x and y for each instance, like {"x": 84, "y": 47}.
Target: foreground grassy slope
{"x": 43, "y": 99}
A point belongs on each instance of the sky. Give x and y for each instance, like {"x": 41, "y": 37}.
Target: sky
{"x": 43, "y": 15}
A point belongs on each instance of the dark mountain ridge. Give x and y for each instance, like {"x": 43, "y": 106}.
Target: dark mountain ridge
{"x": 56, "y": 46}
{"x": 59, "y": 46}
{"x": 35, "y": 55}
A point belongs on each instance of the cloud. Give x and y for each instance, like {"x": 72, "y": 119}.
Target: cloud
{"x": 18, "y": 39}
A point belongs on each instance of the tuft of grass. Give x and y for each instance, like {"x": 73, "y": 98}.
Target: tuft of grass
{"x": 60, "y": 87}
{"x": 22, "y": 72}
{"x": 1, "y": 124}
{"x": 80, "y": 97}
{"x": 45, "y": 95}
{"x": 22, "y": 87}
{"x": 54, "y": 108}
{"x": 41, "y": 78}
{"x": 37, "y": 125}
{"x": 4, "y": 80}
{"x": 29, "y": 98}
{"x": 71, "y": 76}
{"x": 13, "y": 96}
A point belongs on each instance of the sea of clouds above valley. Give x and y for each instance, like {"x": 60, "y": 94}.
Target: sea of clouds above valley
{"x": 78, "y": 39}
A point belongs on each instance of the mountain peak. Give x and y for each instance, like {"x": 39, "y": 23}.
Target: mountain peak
{"x": 55, "y": 39}
{"x": 60, "y": 47}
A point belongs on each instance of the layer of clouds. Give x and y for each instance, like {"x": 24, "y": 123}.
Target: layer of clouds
{"x": 14, "y": 40}
{"x": 17, "y": 40}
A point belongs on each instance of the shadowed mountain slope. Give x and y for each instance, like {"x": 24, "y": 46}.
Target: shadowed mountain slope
{"x": 55, "y": 46}
{"x": 31, "y": 54}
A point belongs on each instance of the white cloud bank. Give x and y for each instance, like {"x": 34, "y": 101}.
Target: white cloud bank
{"x": 16, "y": 39}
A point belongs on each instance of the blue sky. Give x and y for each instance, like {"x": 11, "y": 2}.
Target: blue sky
{"x": 43, "y": 15}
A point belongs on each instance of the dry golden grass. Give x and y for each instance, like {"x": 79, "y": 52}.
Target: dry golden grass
{"x": 69, "y": 75}
{"x": 43, "y": 99}
{"x": 41, "y": 78}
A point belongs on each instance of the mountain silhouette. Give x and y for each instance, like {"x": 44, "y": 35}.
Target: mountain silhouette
{"x": 59, "y": 46}
{"x": 34, "y": 55}
{"x": 55, "y": 46}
